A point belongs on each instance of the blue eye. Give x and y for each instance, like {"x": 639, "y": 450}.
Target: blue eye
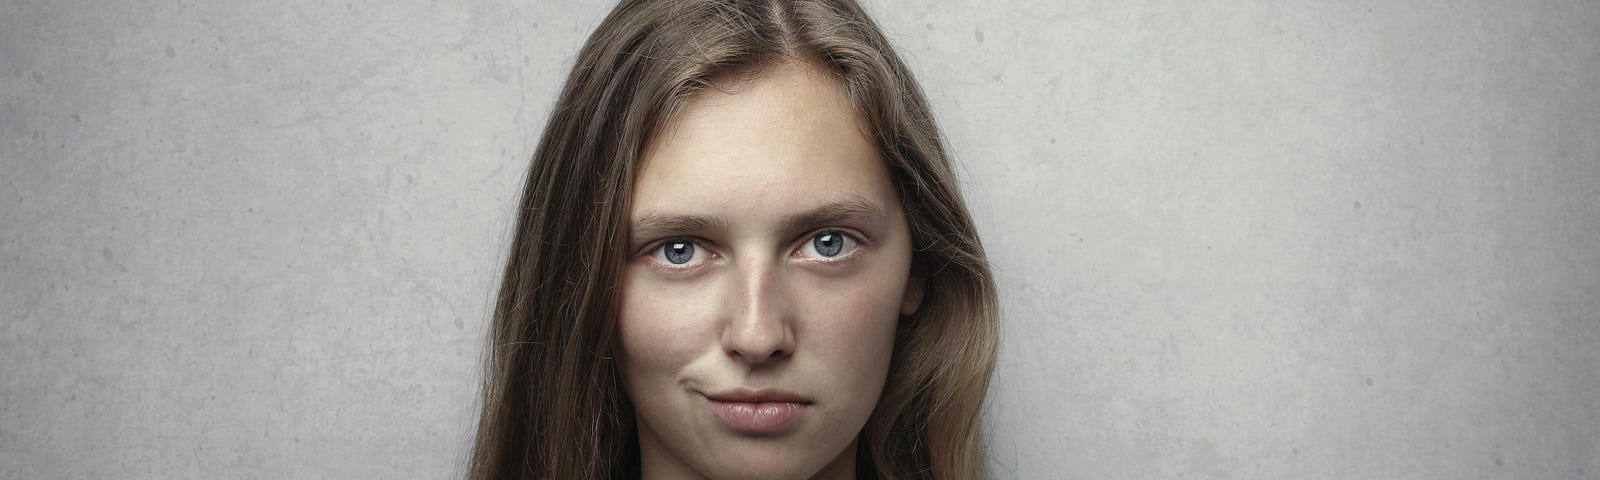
{"x": 828, "y": 244}
{"x": 678, "y": 252}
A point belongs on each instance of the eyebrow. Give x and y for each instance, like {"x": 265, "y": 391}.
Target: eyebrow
{"x": 655, "y": 225}
{"x": 851, "y": 209}
{"x": 846, "y": 210}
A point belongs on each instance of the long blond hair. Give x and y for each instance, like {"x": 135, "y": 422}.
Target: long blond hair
{"x": 553, "y": 405}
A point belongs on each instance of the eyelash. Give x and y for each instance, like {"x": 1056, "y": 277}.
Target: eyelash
{"x": 809, "y": 238}
{"x": 654, "y": 248}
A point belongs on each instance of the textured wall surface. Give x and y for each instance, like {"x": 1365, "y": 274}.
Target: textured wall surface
{"x": 1235, "y": 239}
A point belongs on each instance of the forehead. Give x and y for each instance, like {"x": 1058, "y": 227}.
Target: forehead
{"x": 781, "y": 141}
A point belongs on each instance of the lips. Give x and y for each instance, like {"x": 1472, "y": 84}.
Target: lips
{"x": 758, "y": 410}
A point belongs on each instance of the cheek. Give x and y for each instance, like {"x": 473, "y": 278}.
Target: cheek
{"x": 853, "y": 325}
{"x": 655, "y": 329}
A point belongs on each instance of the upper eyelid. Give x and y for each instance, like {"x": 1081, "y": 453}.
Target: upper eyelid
{"x": 857, "y": 235}
{"x": 847, "y": 209}
{"x": 861, "y": 241}
{"x": 651, "y": 246}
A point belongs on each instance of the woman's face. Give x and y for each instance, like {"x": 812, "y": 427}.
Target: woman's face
{"x": 769, "y": 262}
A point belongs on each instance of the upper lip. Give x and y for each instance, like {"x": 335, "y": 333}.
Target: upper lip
{"x": 753, "y": 395}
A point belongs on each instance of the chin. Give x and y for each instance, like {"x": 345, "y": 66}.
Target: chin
{"x": 771, "y": 467}
{"x": 764, "y": 458}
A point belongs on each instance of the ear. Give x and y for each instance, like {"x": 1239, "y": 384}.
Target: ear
{"x": 913, "y": 297}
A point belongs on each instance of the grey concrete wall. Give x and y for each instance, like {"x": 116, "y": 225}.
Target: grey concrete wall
{"x": 1243, "y": 239}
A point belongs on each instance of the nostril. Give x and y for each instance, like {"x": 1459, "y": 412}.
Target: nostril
{"x": 758, "y": 341}
{"x": 776, "y": 355}
{"x": 759, "y": 356}
{"x": 760, "y": 352}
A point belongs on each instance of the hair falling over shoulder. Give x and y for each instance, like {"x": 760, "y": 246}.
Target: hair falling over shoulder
{"x": 553, "y": 405}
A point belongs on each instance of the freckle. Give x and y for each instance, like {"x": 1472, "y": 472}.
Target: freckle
{"x": 1358, "y": 205}
{"x": 1369, "y": 381}
{"x": 170, "y": 52}
{"x": 1498, "y": 462}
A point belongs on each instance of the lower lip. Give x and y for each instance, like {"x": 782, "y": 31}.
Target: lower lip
{"x": 757, "y": 417}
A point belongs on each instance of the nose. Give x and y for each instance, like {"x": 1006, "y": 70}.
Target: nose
{"x": 759, "y": 327}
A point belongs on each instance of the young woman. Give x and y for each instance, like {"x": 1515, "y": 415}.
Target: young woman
{"x": 741, "y": 253}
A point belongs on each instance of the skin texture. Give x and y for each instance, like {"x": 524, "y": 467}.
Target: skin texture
{"x": 751, "y": 174}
